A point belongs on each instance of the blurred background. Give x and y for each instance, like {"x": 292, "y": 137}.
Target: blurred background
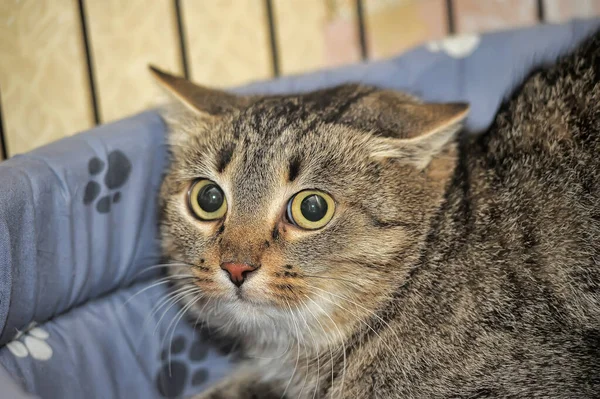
{"x": 67, "y": 65}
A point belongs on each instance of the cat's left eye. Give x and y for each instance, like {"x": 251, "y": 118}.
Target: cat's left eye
{"x": 206, "y": 200}
{"x": 310, "y": 209}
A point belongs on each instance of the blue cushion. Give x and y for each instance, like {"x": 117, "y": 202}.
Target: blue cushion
{"x": 78, "y": 238}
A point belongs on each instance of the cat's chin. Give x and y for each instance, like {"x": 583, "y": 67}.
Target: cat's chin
{"x": 245, "y": 299}
{"x": 237, "y": 306}
{"x": 241, "y": 317}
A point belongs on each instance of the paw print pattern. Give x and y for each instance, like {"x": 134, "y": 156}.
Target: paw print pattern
{"x": 119, "y": 169}
{"x": 31, "y": 341}
{"x": 182, "y": 367}
{"x": 459, "y": 46}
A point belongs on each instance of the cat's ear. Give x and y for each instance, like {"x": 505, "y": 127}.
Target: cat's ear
{"x": 427, "y": 129}
{"x": 203, "y": 100}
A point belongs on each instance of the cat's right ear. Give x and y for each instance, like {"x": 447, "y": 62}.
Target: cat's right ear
{"x": 202, "y": 100}
{"x": 429, "y": 129}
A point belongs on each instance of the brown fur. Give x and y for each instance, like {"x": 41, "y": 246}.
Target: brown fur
{"x": 448, "y": 270}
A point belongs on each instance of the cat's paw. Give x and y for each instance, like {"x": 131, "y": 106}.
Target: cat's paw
{"x": 181, "y": 365}
{"x": 117, "y": 174}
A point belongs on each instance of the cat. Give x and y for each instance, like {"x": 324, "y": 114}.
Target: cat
{"x": 359, "y": 246}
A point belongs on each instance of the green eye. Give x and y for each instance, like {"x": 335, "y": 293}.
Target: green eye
{"x": 206, "y": 200}
{"x": 310, "y": 209}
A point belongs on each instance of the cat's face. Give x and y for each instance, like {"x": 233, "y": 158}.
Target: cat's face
{"x": 298, "y": 204}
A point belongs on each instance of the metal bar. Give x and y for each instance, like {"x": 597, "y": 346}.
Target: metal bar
{"x": 541, "y": 12}
{"x": 3, "y": 147}
{"x": 273, "y": 37}
{"x": 88, "y": 58}
{"x": 362, "y": 34}
{"x": 450, "y": 17}
{"x": 182, "y": 41}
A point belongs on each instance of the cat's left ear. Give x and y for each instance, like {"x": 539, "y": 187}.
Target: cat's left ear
{"x": 202, "y": 100}
{"x": 433, "y": 127}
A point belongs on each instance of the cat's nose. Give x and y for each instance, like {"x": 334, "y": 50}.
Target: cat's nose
{"x": 238, "y": 271}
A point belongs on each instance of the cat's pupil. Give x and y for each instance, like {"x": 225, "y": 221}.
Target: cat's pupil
{"x": 210, "y": 198}
{"x": 313, "y": 208}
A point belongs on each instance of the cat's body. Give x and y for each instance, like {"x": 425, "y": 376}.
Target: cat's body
{"x": 475, "y": 273}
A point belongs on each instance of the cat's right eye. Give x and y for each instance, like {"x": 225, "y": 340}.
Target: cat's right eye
{"x": 310, "y": 209}
{"x": 206, "y": 200}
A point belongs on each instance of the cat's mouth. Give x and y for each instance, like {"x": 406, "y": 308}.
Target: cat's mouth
{"x": 243, "y": 295}
{"x": 260, "y": 289}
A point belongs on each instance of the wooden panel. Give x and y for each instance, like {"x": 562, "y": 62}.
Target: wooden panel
{"x": 564, "y": 10}
{"x": 397, "y": 25}
{"x": 315, "y": 33}
{"x": 482, "y": 16}
{"x": 125, "y": 37}
{"x": 228, "y": 41}
{"x": 42, "y": 72}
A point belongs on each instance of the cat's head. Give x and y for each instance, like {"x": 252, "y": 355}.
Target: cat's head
{"x": 313, "y": 205}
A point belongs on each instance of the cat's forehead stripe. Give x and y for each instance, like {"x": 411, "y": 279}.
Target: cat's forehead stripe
{"x": 224, "y": 156}
{"x": 294, "y": 169}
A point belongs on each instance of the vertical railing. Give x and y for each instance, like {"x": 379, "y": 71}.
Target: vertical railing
{"x": 87, "y": 46}
{"x": 272, "y": 37}
{"x": 3, "y": 143}
{"x": 450, "y": 21}
{"x": 182, "y": 39}
{"x": 362, "y": 32}
{"x": 541, "y": 11}
{"x": 362, "y": 29}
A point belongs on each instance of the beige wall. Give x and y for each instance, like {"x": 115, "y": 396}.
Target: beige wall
{"x": 45, "y": 87}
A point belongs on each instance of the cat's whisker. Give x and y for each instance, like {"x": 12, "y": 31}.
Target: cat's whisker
{"x": 297, "y": 355}
{"x": 208, "y": 299}
{"x": 329, "y": 345}
{"x": 185, "y": 263}
{"x": 342, "y": 341}
{"x": 161, "y": 302}
{"x": 160, "y": 266}
{"x": 182, "y": 312}
{"x": 155, "y": 308}
{"x": 302, "y": 341}
{"x": 315, "y": 345}
{"x": 195, "y": 326}
{"x": 287, "y": 349}
{"x": 306, "y": 354}
{"x": 161, "y": 281}
{"x": 184, "y": 309}
{"x": 369, "y": 312}
{"x": 354, "y": 283}
{"x": 155, "y": 284}
{"x": 201, "y": 312}
{"x": 169, "y": 326}
{"x": 359, "y": 319}
{"x": 174, "y": 301}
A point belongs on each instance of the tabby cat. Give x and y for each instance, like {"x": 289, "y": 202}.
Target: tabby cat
{"x": 359, "y": 247}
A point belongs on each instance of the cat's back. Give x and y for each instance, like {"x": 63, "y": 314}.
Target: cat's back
{"x": 511, "y": 269}
{"x": 504, "y": 300}
{"x": 555, "y": 113}
{"x": 535, "y": 186}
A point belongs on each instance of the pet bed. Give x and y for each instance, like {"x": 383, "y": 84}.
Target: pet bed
{"x": 78, "y": 237}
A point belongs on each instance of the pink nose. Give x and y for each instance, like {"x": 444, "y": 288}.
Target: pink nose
{"x": 238, "y": 271}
